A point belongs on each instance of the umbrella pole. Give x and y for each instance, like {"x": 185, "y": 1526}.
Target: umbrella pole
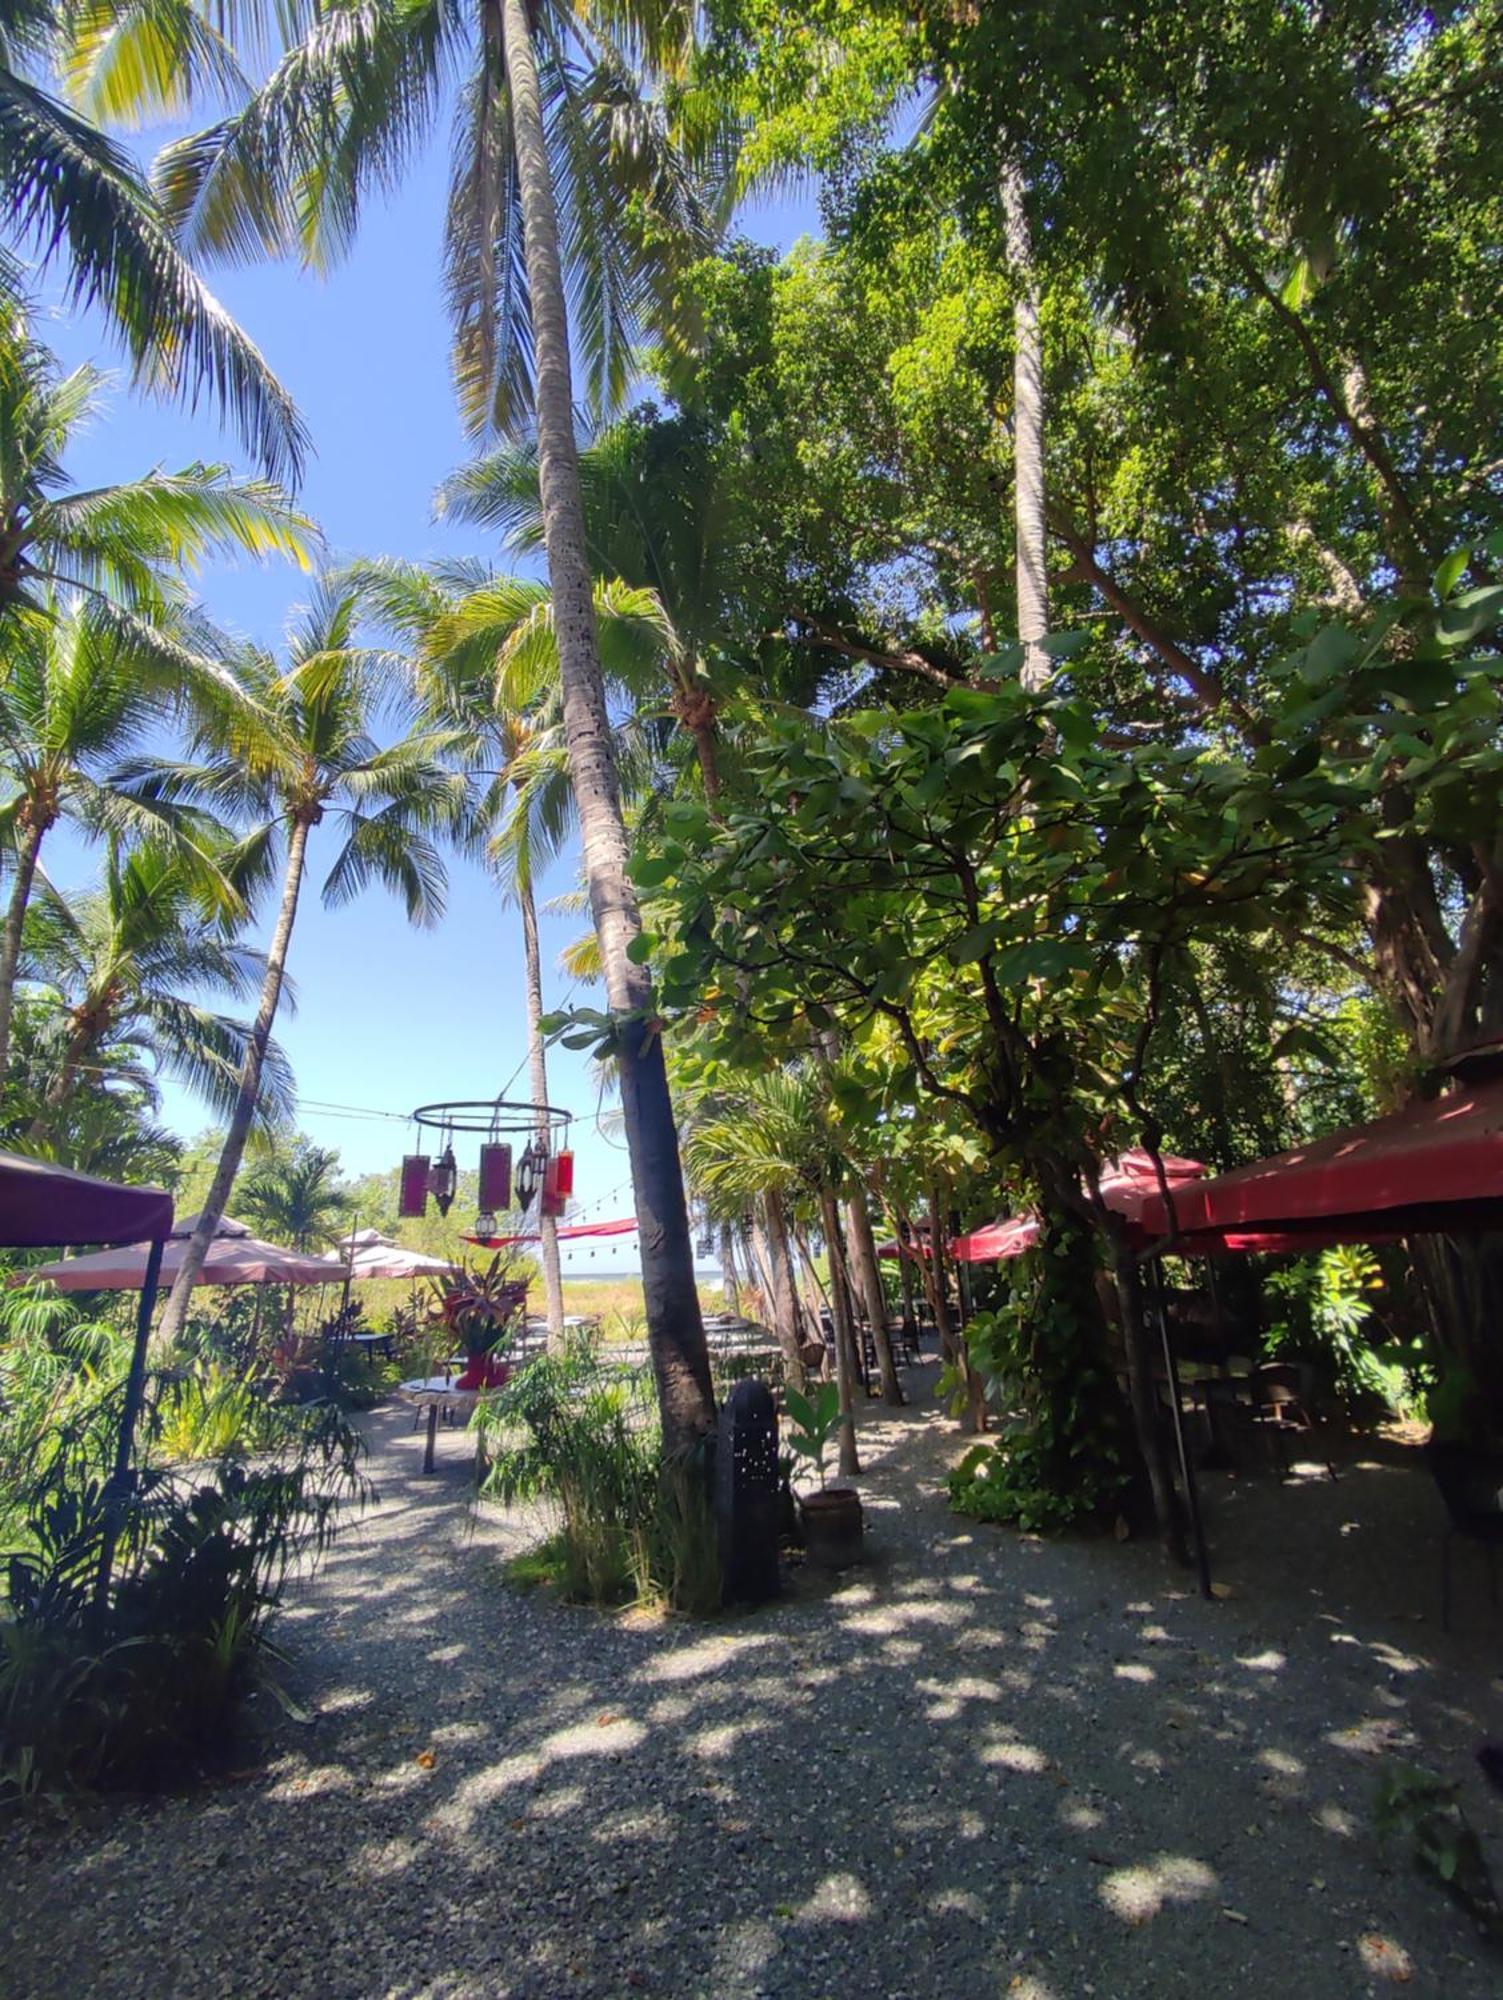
{"x": 135, "y": 1383}
{"x": 1186, "y": 1468}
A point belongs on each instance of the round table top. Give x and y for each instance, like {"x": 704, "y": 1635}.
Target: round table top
{"x": 433, "y": 1389}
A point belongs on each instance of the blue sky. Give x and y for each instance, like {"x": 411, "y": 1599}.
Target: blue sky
{"x": 387, "y": 1017}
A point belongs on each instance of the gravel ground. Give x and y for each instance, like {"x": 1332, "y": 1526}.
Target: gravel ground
{"x": 982, "y": 1763}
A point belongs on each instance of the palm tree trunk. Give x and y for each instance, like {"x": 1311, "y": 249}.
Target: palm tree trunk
{"x": 783, "y": 1301}
{"x": 217, "y": 1199}
{"x": 80, "y": 1045}
{"x": 675, "y": 1329}
{"x": 1027, "y": 434}
{"x": 728, "y": 1285}
{"x": 868, "y": 1276}
{"x": 10, "y": 941}
{"x": 850, "y": 1462}
{"x": 553, "y": 1283}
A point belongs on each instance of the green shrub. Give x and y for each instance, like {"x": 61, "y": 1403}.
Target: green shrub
{"x": 1043, "y": 1353}
{"x": 134, "y": 1622}
{"x": 632, "y": 1526}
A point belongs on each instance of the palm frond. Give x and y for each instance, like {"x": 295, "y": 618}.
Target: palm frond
{"x": 66, "y": 186}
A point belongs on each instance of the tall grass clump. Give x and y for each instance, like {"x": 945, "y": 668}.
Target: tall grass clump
{"x": 631, "y": 1525}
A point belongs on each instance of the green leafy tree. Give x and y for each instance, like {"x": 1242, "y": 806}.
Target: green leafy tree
{"x": 80, "y": 686}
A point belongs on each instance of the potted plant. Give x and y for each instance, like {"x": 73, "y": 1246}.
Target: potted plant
{"x": 832, "y": 1517}
{"x": 478, "y": 1308}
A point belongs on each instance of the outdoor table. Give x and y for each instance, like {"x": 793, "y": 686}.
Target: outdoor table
{"x": 430, "y": 1394}
{"x": 374, "y": 1343}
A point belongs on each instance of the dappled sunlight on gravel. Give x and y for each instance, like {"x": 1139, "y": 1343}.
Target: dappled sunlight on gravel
{"x": 982, "y": 1763}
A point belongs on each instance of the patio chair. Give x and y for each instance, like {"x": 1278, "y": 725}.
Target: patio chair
{"x": 1280, "y": 1405}
{"x": 1471, "y": 1486}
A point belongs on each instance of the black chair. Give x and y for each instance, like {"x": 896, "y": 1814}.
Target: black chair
{"x": 1471, "y": 1485}
{"x": 1280, "y": 1399}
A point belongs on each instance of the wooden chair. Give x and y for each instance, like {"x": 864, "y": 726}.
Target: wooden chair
{"x": 1471, "y": 1485}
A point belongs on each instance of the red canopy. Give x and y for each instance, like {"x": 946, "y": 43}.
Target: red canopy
{"x": 1435, "y": 1165}
{"x": 623, "y": 1226}
{"x": 47, "y": 1207}
{"x": 1127, "y": 1185}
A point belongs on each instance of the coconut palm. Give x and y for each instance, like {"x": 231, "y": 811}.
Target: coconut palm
{"x": 130, "y": 964}
{"x": 132, "y": 541}
{"x": 521, "y": 811}
{"x": 68, "y": 192}
{"x": 295, "y": 1197}
{"x": 657, "y": 525}
{"x": 560, "y": 158}
{"x": 299, "y": 753}
{"x": 110, "y": 1129}
{"x": 80, "y": 684}
{"x": 484, "y": 659}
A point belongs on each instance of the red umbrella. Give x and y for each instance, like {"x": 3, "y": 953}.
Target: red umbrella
{"x": 231, "y": 1260}
{"x": 1435, "y": 1165}
{"x": 42, "y": 1207}
{"x": 1127, "y": 1186}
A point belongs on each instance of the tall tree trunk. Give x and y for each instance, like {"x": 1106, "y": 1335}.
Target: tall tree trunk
{"x": 784, "y": 1302}
{"x": 952, "y": 1343}
{"x": 845, "y": 1347}
{"x": 728, "y": 1285}
{"x": 10, "y": 941}
{"x": 216, "y": 1201}
{"x": 537, "y": 1062}
{"x": 1142, "y": 1394}
{"x": 868, "y": 1276}
{"x": 1030, "y": 525}
{"x": 675, "y": 1330}
{"x": 81, "y": 1045}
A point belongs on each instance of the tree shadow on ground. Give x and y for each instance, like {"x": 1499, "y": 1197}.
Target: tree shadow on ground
{"x": 981, "y": 1761}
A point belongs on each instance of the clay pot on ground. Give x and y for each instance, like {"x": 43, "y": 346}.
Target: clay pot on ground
{"x": 833, "y": 1526}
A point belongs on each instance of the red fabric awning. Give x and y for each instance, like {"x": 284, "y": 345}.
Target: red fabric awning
{"x": 47, "y": 1207}
{"x": 1127, "y": 1184}
{"x": 624, "y": 1226}
{"x": 1435, "y": 1165}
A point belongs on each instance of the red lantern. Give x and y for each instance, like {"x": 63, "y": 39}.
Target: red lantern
{"x": 412, "y": 1197}
{"x": 558, "y": 1183}
{"x": 495, "y": 1177}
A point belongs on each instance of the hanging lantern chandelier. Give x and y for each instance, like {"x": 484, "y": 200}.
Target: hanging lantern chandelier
{"x": 542, "y": 1175}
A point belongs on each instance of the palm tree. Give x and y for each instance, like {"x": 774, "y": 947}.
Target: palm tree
{"x": 522, "y": 812}
{"x": 132, "y": 541}
{"x": 295, "y": 1197}
{"x": 126, "y": 964}
{"x": 485, "y": 663}
{"x": 657, "y": 523}
{"x": 768, "y": 1140}
{"x": 1030, "y": 523}
{"x": 298, "y": 753}
{"x": 109, "y": 1129}
{"x": 66, "y": 189}
{"x": 560, "y": 158}
{"x": 79, "y": 686}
